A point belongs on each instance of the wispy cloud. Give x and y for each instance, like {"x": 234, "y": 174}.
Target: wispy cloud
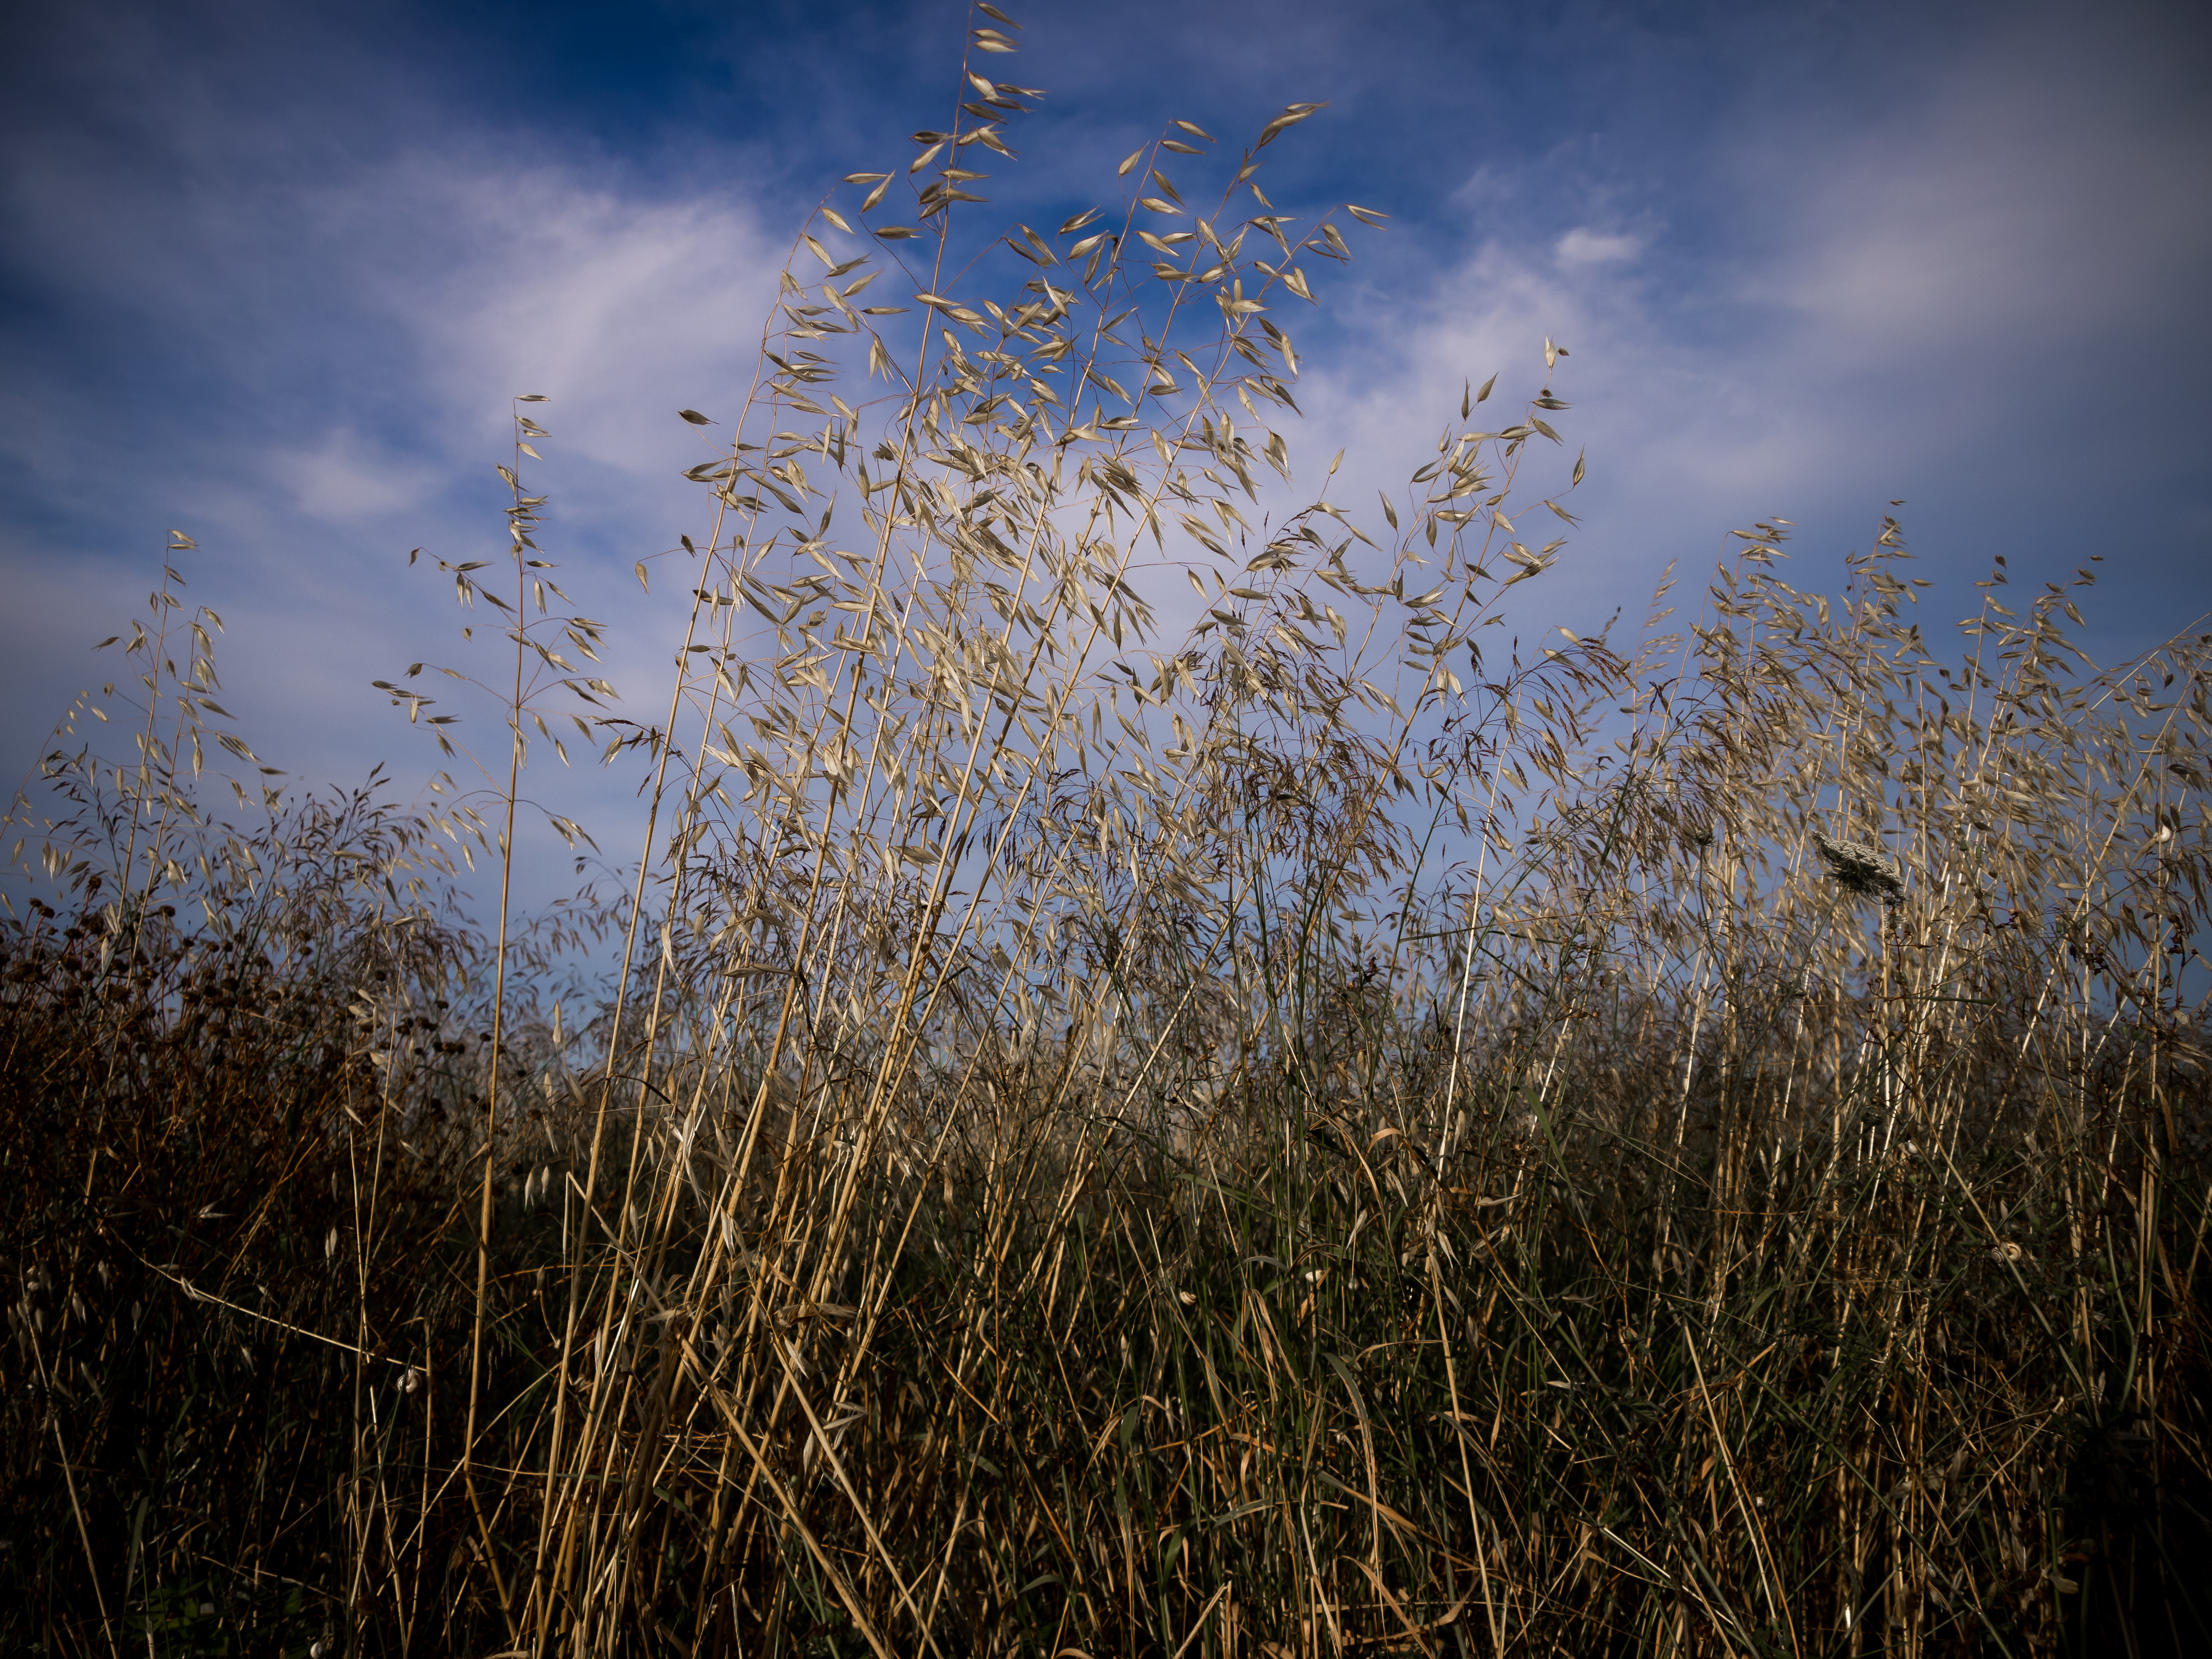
{"x": 1584, "y": 246}
{"x": 302, "y": 356}
{"x": 612, "y": 301}
{"x": 275, "y": 283}
{"x": 2035, "y": 199}
{"x": 1909, "y": 307}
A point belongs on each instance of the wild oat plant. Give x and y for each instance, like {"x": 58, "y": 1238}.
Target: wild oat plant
{"x": 1166, "y": 1092}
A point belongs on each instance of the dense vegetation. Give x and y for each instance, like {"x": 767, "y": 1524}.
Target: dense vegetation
{"x": 1340, "y": 1132}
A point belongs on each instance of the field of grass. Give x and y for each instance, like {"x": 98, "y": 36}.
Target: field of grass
{"x": 1168, "y": 1091}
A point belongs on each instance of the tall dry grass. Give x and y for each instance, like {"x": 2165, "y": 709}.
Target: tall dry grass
{"x": 1274, "y": 1121}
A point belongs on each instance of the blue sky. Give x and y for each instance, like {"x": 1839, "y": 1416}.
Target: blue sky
{"x": 269, "y": 273}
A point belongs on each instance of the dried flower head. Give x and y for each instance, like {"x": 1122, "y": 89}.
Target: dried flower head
{"x": 1860, "y": 867}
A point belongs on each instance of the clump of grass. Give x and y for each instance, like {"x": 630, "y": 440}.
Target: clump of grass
{"x": 1149, "y": 1125}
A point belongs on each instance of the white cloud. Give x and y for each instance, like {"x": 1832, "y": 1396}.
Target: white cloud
{"x": 2030, "y": 199}
{"x": 1911, "y": 306}
{"x": 1583, "y": 246}
{"x": 621, "y": 306}
{"x": 1845, "y": 307}
{"x": 330, "y": 345}
{"x": 348, "y": 475}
